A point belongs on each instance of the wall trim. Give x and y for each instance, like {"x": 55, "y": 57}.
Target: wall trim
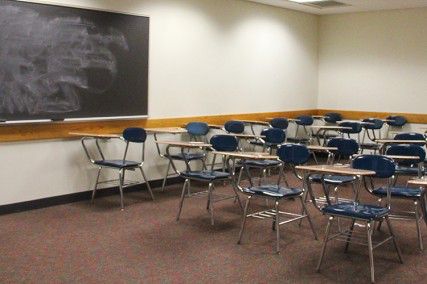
{"x": 61, "y": 129}
{"x": 81, "y": 196}
{"x": 355, "y": 114}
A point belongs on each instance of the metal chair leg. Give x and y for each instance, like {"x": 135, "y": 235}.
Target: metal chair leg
{"x": 96, "y": 185}
{"x": 390, "y": 229}
{"x": 417, "y": 221}
{"x": 308, "y": 217}
{"x": 181, "y": 202}
{"x": 349, "y": 235}
{"x": 166, "y": 176}
{"x": 147, "y": 183}
{"x": 242, "y": 227}
{"x": 370, "y": 251}
{"x": 276, "y": 207}
{"x": 210, "y": 189}
{"x": 121, "y": 189}
{"x": 325, "y": 241}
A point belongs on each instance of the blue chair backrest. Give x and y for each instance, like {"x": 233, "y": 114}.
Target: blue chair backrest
{"x": 273, "y": 135}
{"x": 279, "y": 122}
{"x": 407, "y": 150}
{"x": 382, "y": 166}
{"x": 333, "y": 117}
{"x": 226, "y": 143}
{"x": 356, "y": 127}
{"x": 294, "y": 154}
{"x": 234, "y": 126}
{"x": 409, "y": 136}
{"x": 135, "y": 134}
{"x": 197, "y": 128}
{"x": 346, "y": 147}
{"x": 374, "y": 123}
{"x": 304, "y": 120}
{"x": 396, "y": 120}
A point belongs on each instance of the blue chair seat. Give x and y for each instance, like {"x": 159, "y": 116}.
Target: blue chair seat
{"x": 261, "y": 163}
{"x": 273, "y": 191}
{"x": 402, "y": 192}
{"x": 332, "y": 179}
{"x": 186, "y": 156}
{"x": 406, "y": 170}
{"x": 117, "y": 163}
{"x": 205, "y": 175}
{"x": 356, "y": 210}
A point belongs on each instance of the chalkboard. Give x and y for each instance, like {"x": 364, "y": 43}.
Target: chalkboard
{"x": 61, "y": 62}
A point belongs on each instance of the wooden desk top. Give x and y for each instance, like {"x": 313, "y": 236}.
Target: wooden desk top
{"x": 245, "y": 136}
{"x": 190, "y": 144}
{"x": 170, "y": 130}
{"x": 318, "y": 116}
{"x": 397, "y": 157}
{"x": 95, "y": 135}
{"x": 329, "y": 127}
{"x": 391, "y": 141}
{"x": 321, "y": 148}
{"x": 254, "y": 121}
{"x": 418, "y": 181}
{"x": 247, "y": 155}
{"x": 334, "y": 169}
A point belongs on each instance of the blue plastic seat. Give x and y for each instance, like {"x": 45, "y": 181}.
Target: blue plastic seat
{"x": 396, "y": 120}
{"x": 186, "y": 156}
{"x": 234, "y": 126}
{"x": 356, "y": 210}
{"x": 401, "y": 192}
{"x": 205, "y": 175}
{"x": 117, "y": 163}
{"x": 273, "y": 191}
{"x": 304, "y": 121}
{"x": 281, "y": 123}
{"x": 273, "y": 138}
{"x": 409, "y": 136}
{"x": 332, "y": 179}
{"x": 332, "y": 117}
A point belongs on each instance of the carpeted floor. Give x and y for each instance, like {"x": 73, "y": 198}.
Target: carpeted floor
{"x": 84, "y": 243}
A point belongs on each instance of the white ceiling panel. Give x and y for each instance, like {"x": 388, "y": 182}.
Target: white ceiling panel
{"x": 351, "y": 5}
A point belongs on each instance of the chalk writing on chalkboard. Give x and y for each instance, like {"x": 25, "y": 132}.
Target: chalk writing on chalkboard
{"x": 44, "y": 62}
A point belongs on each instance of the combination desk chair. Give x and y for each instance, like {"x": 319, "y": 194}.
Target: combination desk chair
{"x": 130, "y": 135}
{"x": 372, "y": 130}
{"x": 303, "y": 121}
{"x": 411, "y": 167}
{"x": 353, "y": 127}
{"x": 395, "y": 122}
{"x": 360, "y": 212}
{"x": 197, "y": 132}
{"x": 281, "y": 123}
{"x": 416, "y": 195}
{"x": 330, "y": 118}
{"x": 289, "y": 153}
{"x": 346, "y": 148}
{"x": 218, "y": 143}
{"x": 274, "y": 138}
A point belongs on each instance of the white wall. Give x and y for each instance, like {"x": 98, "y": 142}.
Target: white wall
{"x": 206, "y": 57}
{"x": 374, "y": 61}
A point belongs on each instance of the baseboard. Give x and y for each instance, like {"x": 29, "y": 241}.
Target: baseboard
{"x": 79, "y": 196}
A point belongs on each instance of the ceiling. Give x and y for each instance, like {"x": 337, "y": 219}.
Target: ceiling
{"x": 355, "y": 5}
